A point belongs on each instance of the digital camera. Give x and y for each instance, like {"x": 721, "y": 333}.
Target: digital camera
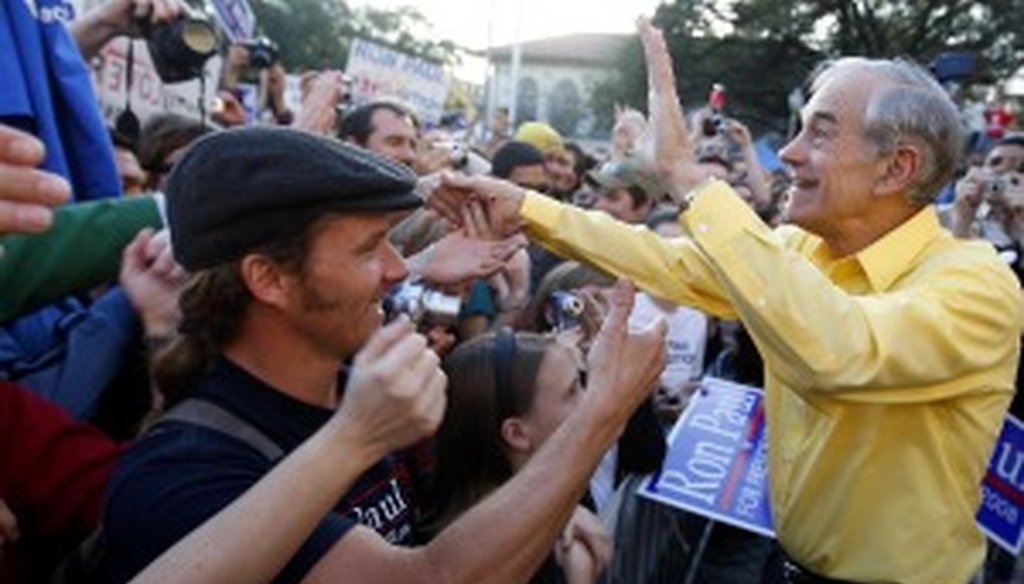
{"x": 422, "y": 303}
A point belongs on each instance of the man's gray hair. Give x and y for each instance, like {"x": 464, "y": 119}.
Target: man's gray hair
{"x": 912, "y": 108}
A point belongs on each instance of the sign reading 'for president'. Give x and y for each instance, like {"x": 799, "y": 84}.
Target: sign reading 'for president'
{"x": 717, "y": 463}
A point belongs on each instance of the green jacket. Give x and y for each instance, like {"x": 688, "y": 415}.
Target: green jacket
{"x": 82, "y": 250}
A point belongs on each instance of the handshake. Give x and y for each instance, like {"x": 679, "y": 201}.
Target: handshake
{"x": 490, "y": 204}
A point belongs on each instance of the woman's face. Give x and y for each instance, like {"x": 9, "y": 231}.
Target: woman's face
{"x": 559, "y": 387}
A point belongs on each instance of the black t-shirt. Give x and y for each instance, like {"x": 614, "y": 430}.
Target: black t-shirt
{"x": 178, "y": 476}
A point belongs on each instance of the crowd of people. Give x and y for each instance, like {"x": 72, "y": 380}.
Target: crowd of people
{"x": 337, "y": 345}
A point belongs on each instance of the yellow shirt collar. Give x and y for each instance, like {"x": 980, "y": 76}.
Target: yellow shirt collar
{"x": 891, "y": 256}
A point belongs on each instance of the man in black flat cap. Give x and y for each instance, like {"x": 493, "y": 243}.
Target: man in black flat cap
{"x": 286, "y": 236}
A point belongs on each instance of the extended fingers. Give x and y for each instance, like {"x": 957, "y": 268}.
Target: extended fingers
{"x": 24, "y": 218}
{"x": 20, "y": 148}
{"x": 28, "y": 185}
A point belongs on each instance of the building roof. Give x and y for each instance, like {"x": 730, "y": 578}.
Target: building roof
{"x": 599, "y": 49}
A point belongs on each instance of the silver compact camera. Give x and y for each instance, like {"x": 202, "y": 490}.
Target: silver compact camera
{"x": 422, "y": 304}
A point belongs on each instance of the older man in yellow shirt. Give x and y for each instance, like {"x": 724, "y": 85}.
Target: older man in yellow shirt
{"x": 890, "y": 347}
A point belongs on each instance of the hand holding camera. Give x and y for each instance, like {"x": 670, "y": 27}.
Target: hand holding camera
{"x": 132, "y": 17}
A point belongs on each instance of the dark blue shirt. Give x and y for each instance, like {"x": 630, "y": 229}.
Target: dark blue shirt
{"x": 179, "y": 475}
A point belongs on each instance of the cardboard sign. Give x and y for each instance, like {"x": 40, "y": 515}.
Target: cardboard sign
{"x": 378, "y": 71}
{"x": 236, "y": 17}
{"x": 1001, "y": 516}
{"x": 717, "y": 461}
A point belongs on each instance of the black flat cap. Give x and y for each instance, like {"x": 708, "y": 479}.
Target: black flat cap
{"x": 236, "y": 190}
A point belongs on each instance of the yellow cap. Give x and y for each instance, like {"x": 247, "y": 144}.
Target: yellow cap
{"x": 542, "y": 136}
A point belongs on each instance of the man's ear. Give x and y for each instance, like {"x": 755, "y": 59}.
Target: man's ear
{"x": 516, "y": 435}
{"x": 898, "y": 171}
{"x": 265, "y": 280}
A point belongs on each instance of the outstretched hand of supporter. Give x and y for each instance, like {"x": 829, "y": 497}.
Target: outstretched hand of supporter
{"x": 501, "y": 201}
{"x": 665, "y": 146}
{"x": 27, "y": 195}
{"x": 396, "y": 391}
{"x": 624, "y": 365}
{"x": 467, "y": 253}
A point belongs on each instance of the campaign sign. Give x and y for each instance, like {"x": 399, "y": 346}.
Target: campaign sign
{"x": 717, "y": 461}
{"x": 1001, "y": 515}
{"x": 377, "y": 71}
{"x": 237, "y": 18}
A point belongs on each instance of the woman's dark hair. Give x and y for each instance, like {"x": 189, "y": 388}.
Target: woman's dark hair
{"x": 471, "y": 456}
{"x": 212, "y": 304}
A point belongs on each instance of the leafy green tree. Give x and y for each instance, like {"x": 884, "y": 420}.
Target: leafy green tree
{"x": 316, "y": 34}
{"x": 918, "y": 29}
{"x": 762, "y": 49}
{"x": 310, "y": 34}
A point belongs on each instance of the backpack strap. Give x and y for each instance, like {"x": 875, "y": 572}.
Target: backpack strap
{"x": 206, "y": 414}
{"x": 87, "y": 563}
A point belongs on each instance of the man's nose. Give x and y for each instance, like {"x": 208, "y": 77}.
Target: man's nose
{"x": 395, "y": 269}
{"x": 792, "y": 153}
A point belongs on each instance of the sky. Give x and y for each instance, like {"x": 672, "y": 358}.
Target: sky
{"x": 477, "y": 24}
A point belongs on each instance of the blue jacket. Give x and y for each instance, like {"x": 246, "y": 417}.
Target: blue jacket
{"x": 47, "y": 91}
{"x": 70, "y": 353}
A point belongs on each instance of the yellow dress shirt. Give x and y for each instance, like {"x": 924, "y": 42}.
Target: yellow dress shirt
{"x": 887, "y": 373}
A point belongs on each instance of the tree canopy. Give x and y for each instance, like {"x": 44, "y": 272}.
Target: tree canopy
{"x": 316, "y": 34}
{"x": 762, "y": 49}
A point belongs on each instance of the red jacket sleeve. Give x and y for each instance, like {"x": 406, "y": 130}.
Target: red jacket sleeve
{"x": 53, "y": 470}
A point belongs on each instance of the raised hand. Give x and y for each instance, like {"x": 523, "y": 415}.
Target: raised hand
{"x": 666, "y": 145}
{"x": 152, "y": 280}
{"x": 319, "y": 111}
{"x": 624, "y": 366}
{"x": 122, "y": 17}
{"x": 27, "y": 195}
{"x": 464, "y": 254}
{"x": 396, "y": 392}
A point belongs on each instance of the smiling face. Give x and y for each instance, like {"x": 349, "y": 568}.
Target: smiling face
{"x": 393, "y": 135}
{"x": 336, "y": 300}
{"x": 833, "y": 166}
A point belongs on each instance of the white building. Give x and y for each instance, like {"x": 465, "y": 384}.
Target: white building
{"x": 556, "y": 78}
